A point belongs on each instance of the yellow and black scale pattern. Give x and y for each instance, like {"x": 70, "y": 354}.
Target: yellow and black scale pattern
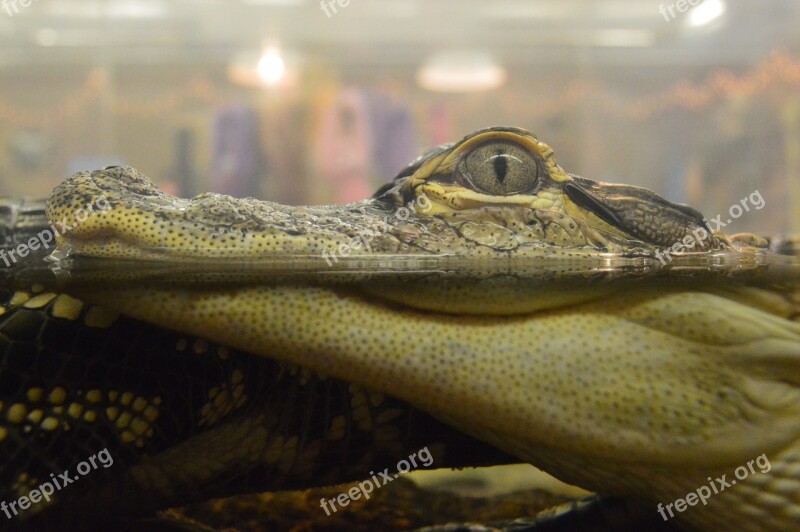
{"x": 183, "y": 419}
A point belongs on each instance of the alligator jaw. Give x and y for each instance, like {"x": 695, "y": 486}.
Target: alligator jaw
{"x": 659, "y": 390}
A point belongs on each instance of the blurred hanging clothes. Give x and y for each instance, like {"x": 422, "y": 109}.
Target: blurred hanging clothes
{"x": 237, "y": 162}
{"x": 344, "y": 147}
{"x": 285, "y": 142}
{"x": 394, "y": 139}
{"x": 182, "y": 171}
{"x": 441, "y": 125}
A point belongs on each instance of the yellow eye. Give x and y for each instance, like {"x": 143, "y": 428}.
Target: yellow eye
{"x": 501, "y": 169}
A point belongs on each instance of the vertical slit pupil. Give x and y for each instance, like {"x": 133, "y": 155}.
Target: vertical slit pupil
{"x": 500, "y": 166}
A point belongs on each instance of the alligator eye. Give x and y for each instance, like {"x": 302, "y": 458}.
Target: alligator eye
{"x": 501, "y": 168}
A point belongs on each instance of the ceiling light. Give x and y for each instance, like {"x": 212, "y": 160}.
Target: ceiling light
{"x": 707, "y": 12}
{"x": 271, "y": 67}
{"x": 461, "y": 71}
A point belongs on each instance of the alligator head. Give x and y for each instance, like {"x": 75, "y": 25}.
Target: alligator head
{"x": 643, "y": 390}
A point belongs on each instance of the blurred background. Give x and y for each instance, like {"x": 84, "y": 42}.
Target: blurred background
{"x": 309, "y": 101}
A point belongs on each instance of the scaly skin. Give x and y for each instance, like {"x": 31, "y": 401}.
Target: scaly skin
{"x": 637, "y": 386}
{"x": 184, "y": 419}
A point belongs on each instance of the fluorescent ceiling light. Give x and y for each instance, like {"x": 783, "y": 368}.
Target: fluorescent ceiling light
{"x": 707, "y": 12}
{"x": 461, "y": 71}
{"x": 530, "y": 10}
{"x": 135, "y": 9}
{"x": 622, "y": 9}
{"x": 274, "y": 2}
{"x": 621, "y": 38}
{"x": 404, "y": 9}
{"x": 114, "y": 9}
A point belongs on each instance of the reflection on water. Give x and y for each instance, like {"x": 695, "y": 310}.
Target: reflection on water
{"x": 753, "y": 267}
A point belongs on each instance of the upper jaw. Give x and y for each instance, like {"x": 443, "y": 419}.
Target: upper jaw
{"x": 143, "y": 223}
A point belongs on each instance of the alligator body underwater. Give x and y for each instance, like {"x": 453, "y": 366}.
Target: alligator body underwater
{"x": 484, "y": 292}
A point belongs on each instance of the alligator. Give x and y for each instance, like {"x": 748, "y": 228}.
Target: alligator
{"x": 485, "y": 300}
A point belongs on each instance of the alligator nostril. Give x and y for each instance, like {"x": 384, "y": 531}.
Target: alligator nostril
{"x": 112, "y": 167}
